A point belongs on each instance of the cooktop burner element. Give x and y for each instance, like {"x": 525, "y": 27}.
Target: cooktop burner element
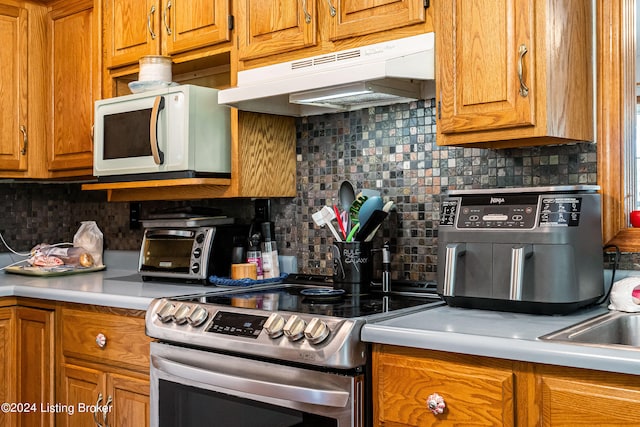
{"x": 298, "y": 323}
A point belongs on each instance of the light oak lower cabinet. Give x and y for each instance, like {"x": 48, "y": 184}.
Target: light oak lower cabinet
{"x": 26, "y": 365}
{"x": 7, "y": 358}
{"x": 113, "y": 376}
{"x": 476, "y": 391}
{"x": 35, "y": 366}
{"x": 484, "y": 391}
{"x": 574, "y": 397}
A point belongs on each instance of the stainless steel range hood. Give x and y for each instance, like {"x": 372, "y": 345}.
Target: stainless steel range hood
{"x": 381, "y": 74}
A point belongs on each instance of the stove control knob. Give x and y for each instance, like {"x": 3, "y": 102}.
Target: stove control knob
{"x": 274, "y": 325}
{"x": 316, "y": 331}
{"x": 197, "y": 316}
{"x": 180, "y": 314}
{"x": 165, "y": 313}
{"x": 294, "y": 328}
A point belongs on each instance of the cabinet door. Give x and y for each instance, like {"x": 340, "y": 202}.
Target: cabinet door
{"x": 7, "y": 357}
{"x": 130, "y": 401}
{"x": 476, "y": 391}
{"x": 131, "y": 30}
{"x": 13, "y": 87}
{"x": 35, "y": 366}
{"x": 361, "y": 17}
{"x": 572, "y": 397}
{"x": 80, "y": 386}
{"x": 268, "y": 27}
{"x": 73, "y": 50}
{"x": 191, "y": 24}
{"x": 481, "y": 55}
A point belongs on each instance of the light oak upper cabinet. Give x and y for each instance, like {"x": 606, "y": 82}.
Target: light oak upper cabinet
{"x": 13, "y": 88}
{"x": 514, "y": 72}
{"x": 352, "y": 18}
{"x": 301, "y": 28}
{"x": 73, "y": 60}
{"x": 135, "y": 28}
{"x": 268, "y": 27}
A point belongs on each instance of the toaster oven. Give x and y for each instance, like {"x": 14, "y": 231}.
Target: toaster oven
{"x": 189, "y": 253}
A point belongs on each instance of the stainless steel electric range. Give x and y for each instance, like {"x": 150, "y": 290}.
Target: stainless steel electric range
{"x": 281, "y": 355}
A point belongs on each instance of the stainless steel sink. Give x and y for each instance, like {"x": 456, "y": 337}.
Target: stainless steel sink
{"x": 613, "y": 329}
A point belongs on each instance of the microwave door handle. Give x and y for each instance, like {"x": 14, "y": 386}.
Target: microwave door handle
{"x": 158, "y": 105}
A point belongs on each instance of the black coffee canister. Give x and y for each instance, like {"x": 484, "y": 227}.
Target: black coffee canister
{"x": 352, "y": 266}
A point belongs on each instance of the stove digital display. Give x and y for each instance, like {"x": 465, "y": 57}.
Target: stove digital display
{"x": 239, "y": 325}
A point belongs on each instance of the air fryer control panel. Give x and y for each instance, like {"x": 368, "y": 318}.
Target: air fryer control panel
{"x": 519, "y": 211}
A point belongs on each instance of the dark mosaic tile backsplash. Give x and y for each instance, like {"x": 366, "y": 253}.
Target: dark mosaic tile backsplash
{"x": 391, "y": 149}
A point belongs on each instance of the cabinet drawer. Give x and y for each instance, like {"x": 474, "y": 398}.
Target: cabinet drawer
{"x": 476, "y": 391}
{"x": 125, "y": 344}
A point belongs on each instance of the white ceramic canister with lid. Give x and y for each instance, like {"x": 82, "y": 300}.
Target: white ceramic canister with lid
{"x": 155, "y": 68}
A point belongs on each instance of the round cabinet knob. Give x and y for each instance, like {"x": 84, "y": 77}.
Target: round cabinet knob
{"x": 294, "y": 328}
{"x": 165, "y": 314}
{"x": 197, "y": 316}
{"x": 316, "y": 331}
{"x": 274, "y": 325}
{"x": 436, "y": 404}
{"x": 180, "y": 314}
{"x": 101, "y": 340}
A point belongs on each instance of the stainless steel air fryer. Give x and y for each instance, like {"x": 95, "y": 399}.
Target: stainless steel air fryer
{"x": 531, "y": 250}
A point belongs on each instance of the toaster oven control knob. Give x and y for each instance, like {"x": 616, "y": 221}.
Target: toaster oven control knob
{"x": 200, "y": 238}
{"x": 180, "y": 314}
{"x": 316, "y": 331}
{"x": 294, "y": 328}
{"x": 195, "y": 267}
{"x": 165, "y": 313}
{"x": 274, "y": 325}
{"x": 197, "y": 316}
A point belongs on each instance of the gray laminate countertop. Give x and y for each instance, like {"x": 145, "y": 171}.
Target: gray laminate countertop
{"x": 119, "y": 285}
{"x": 502, "y": 335}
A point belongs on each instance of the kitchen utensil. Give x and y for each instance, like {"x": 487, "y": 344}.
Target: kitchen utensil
{"x": 367, "y": 208}
{"x": 369, "y": 192}
{"x": 340, "y": 223}
{"x": 355, "y": 208}
{"x": 353, "y": 232}
{"x": 324, "y": 217}
{"x": 347, "y": 195}
{"x": 368, "y": 229}
{"x": 386, "y": 208}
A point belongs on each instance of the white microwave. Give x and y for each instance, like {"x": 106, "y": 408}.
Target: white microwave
{"x": 174, "y": 132}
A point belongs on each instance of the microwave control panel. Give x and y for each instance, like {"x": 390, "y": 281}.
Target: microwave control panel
{"x": 510, "y": 211}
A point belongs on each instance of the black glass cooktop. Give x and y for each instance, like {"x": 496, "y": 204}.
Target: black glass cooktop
{"x": 292, "y": 298}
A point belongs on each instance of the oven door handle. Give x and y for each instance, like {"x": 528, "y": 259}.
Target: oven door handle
{"x": 256, "y": 387}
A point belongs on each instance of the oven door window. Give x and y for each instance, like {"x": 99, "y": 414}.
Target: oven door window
{"x": 186, "y": 406}
{"x": 166, "y": 252}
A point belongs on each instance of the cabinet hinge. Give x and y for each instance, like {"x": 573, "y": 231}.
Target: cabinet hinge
{"x": 426, "y": 3}
{"x": 230, "y": 22}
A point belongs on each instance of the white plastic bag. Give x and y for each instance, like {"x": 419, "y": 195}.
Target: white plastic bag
{"x": 91, "y": 239}
{"x": 622, "y": 298}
